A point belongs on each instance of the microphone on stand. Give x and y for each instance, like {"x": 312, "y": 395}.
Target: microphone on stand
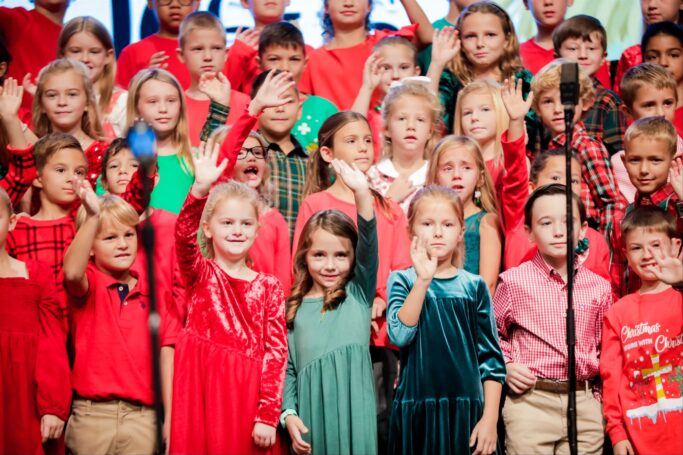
{"x": 142, "y": 142}
{"x": 569, "y": 94}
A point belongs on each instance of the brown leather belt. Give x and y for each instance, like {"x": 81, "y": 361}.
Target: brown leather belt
{"x": 549, "y": 385}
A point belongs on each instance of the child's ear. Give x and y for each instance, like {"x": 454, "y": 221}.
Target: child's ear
{"x": 12, "y": 221}
{"x": 532, "y": 187}
{"x": 675, "y": 247}
{"x": 38, "y": 182}
{"x": 110, "y": 57}
{"x": 326, "y": 154}
{"x": 259, "y": 62}
{"x": 179, "y": 53}
{"x": 300, "y": 110}
{"x": 623, "y": 157}
{"x": 529, "y": 234}
{"x": 206, "y": 230}
{"x": 627, "y": 112}
{"x": 583, "y": 229}
{"x": 418, "y": 70}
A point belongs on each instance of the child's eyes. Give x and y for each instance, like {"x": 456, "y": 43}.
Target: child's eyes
{"x": 341, "y": 255}
{"x": 129, "y": 235}
{"x": 80, "y": 172}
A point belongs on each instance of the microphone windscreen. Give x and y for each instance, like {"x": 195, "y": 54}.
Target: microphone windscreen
{"x": 569, "y": 83}
{"x": 142, "y": 141}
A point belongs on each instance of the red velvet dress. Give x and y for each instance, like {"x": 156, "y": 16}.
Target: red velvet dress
{"x": 231, "y": 357}
{"x": 34, "y": 370}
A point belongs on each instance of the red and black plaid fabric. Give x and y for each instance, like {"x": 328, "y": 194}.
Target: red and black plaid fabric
{"x": 21, "y": 171}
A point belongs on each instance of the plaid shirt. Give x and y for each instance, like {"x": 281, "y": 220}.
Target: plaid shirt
{"x": 604, "y": 203}
{"x": 530, "y": 305}
{"x": 604, "y": 120}
{"x": 288, "y": 176}
{"x": 21, "y": 170}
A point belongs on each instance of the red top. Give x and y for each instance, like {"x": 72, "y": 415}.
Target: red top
{"x": 530, "y": 305}
{"x": 21, "y": 170}
{"x": 135, "y": 57}
{"x": 337, "y": 74}
{"x": 535, "y": 57}
{"x": 33, "y": 360}
{"x": 198, "y": 110}
{"x": 629, "y": 58}
{"x": 31, "y": 39}
{"x": 392, "y": 236}
{"x": 270, "y": 252}
{"x": 678, "y": 121}
{"x": 112, "y": 351}
{"x": 94, "y": 154}
{"x": 642, "y": 371}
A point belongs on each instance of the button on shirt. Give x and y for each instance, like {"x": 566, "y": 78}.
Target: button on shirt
{"x": 288, "y": 175}
{"x": 530, "y": 305}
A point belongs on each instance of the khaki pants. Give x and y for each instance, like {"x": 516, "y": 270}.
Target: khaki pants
{"x": 536, "y": 423}
{"x": 111, "y": 427}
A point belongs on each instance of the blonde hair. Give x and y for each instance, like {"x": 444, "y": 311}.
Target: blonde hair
{"x": 509, "y": 62}
{"x": 417, "y": 89}
{"x": 491, "y": 88}
{"x": 645, "y": 74}
{"x": 655, "y": 129}
{"x": 199, "y": 20}
{"x": 265, "y": 189}
{"x": 227, "y": 190}
{"x": 548, "y": 78}
{"x": 338, "y": 224}
{"x": 90, "y": 122}
{"x": 112, "y": 209}
{"x": 435, "y": 192}
{"x": 94, "y": 27}
{"x": 487, "y": 200}
{"x": 181, "y": 135}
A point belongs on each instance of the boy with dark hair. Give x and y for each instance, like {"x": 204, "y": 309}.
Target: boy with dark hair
{"x": 583, "y": 39}
{"x": 530, "y": 306}
{"x": 642, "y": 344}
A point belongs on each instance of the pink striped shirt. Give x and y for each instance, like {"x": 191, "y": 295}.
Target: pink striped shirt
{"x": 530, "y": 305}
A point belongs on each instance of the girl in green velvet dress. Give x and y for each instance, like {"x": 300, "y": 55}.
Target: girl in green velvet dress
{"x": 452, "y": 368}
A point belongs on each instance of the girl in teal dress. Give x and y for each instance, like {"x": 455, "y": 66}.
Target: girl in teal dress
{"x": 452, "y": 368}
{"x": 329, "y": 397}
{"x": 457, "y": 163}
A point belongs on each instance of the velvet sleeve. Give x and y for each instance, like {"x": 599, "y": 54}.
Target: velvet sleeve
{"x": 491, "y": 361}
{"x": 274, "y": 359}
{"x": 52, "y": 365}
{"x": 399, "y": 287}
{"x": 502, "y": 309}
{"x": 449, "y": 87}
{"x": 611, "y": 371}
{"x": 515, "y": 183}
{"x": 241, "y": 67}
{"x": 290, "y": 397}
{"x": 367, "y": 260}
{"x": 190, "y": 260}
{"x": 134, "y": 193}
{"x": 233, "y": 142}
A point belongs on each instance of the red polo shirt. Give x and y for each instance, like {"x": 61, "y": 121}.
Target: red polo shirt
{"x": 111, "y": 341}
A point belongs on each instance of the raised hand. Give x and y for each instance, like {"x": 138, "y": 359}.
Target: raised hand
{"x": 295, "y": 428}
{"x": 445, "y": 45}
{"x": 157, "y": 60}
{"x": 216, "y": 86}
{"x": 353, "y": 177}
{"x": 372, "y": 71}
{"x": 425, "y": 264}
{"x": 250, "y": 37}
{"x": 676, "y": 176}
{"x": 513, "y": 99}
{"x": 29, "y": 84}
{"x": 669, "y": 267}
{"x": 273, "y": 92}
{"x": 85, "y": 193}
{"x": 206, "y": 171}
{"x": 10, "y": 98}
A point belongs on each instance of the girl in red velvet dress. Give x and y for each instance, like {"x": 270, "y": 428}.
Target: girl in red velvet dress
{"x": 35, "y": 392}
{"x": 231, "y": 357}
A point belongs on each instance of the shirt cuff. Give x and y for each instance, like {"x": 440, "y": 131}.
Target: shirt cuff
{"x": 285, "y": 414}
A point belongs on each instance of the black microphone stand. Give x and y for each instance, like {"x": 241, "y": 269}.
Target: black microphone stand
{"x": 569, "y": 92}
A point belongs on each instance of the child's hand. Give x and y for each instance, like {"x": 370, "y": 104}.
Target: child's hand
{"x": 29, "y": 84}
{"x": 676, "y": 176}
{"x": 206, "y": 171}
{"x": 10, "y": 98}
{"x": 353, "y": 177}
{"x": 623, "y": 448}
{"x": 378, "y": 308}
{"x": 263, "y": 435}
{"x": 295, "y": 428}
{"x": 273, "y": 92}
{"x": 372, "y": 71}
{"x": 669, "y": 268}
{"x": 51, "y": 427}
{"x": 88, "y": 198}
{"x": 250, "y": 37}
{"x": 485, "y": 436}
{"x": 511, "y": 92}
{"x": 424, "y": 263}
{"x": 519, "y": 378}
{"x": 400, "y": 189}
{"x": 216, "y": 86}
{"x": 445, "y": 45}
{"x": 157, "y": 60}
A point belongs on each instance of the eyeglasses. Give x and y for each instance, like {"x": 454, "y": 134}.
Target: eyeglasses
{"x": 259, "y": 152}
{"x": 168, "y": 2}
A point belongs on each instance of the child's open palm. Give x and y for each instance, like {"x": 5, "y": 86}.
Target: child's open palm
{"x": 669, "y": 264}
{"x": 206, "y": 170}
{"x": 273, "y": 92}
{"x": 445, "y": 45}
{"x": 85, "y": 193}
{"x": 372, "y": 71}
{"x": 424, "y": 263}
{"x": 676, "y": 176}
{"x": 250, "y": 37}
{"x": 353, "y": 177}
{"x": 513, "y": 99}
{"x": 216, "y": 86}
{"x": 11, "y": 94}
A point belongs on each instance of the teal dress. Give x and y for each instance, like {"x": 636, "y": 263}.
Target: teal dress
{"x": 174, "y": 183}
{"x": 329, "y": 380}
{"x": 314, "y": 111}
{"x": 444, "y": 359}
{"x": 472, "y": 242}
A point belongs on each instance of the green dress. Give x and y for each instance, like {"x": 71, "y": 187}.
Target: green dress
{"x": 314, "y": 111}
{"x": 174, "y": 183}
{"x": 473, "y": 242}
{"x": 444, "y": 359}
{"x": 329, "y": 380}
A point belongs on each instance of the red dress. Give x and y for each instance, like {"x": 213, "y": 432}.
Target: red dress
{"x": 33, "y": 360}
{"x": 94, "y": 154}
{"x": 231, "y": 357}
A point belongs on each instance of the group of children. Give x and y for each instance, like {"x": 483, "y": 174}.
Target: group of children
{"x": 350, "y": 257}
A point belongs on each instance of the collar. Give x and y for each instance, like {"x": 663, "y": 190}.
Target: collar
{"x": 657, "y": 198}
{"x": 550, "y": 272}
{"x": 297, "y": 150}
{"x": 579, "y": 132}
{"x": 419, "y": 177}
{"x": 110, "y": 282}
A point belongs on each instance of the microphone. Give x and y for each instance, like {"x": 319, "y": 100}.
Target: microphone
{"x": 569, "y": 85}
{"x": 142, "y": 142}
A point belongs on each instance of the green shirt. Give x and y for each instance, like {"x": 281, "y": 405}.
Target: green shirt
{"x": 288, "y": 176}
{"x": 174, "y": 183}
{"x": 314, "y": 112}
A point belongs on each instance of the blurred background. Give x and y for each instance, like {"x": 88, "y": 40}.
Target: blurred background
{"x": 129, "y": 20}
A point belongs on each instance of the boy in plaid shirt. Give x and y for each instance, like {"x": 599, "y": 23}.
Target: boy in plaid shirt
{"x": 600, "y": 194}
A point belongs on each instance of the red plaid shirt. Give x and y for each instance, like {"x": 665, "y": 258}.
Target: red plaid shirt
{"x": 530, "y": 305}
{"x": 603, "y": 200}
{"x": 21, "y": 171}
{"x": 605, "y": 120}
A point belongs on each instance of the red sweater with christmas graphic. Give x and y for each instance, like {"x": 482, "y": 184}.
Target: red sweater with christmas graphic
{"x": 641, "y": 365}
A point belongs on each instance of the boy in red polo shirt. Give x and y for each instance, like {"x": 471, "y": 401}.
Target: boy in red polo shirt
{"x": 158, "y": 50}
{"x": 108, "y": 311}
